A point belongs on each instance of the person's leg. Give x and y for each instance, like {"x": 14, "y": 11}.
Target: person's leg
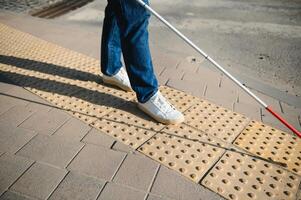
{"x": 110, "y": 44}
{"x": 133, "y": 21}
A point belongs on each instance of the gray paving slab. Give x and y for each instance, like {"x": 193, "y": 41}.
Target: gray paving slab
{"x": 51, "y": 150}
{"x": 136, "y": 171}
{"x": 19, "y": 92}
{"x": 7, "y": 102}
{"x": 118, "y": 146}
{"x": 12, "y": 167}
{"x": 204, "y": 75}
{"x": 221, "y": 97}
{"x": 249, "y": 110}
{"x": 73, "y": 130}
{"x": 274, "y": 103}
{"x": 97, "y": 162}
{"x": 16, "y": 115}
{"x": 156, "y": 197}
{"x": 76, "y": 186}
{"x": 39, "y": 107}
{"x": 49, "y": 122}
{"x": 113, "y": 191}
{"x": 164, "y": 60}
{"x": 39, "y": 181}
{"x": 196, "y": 88}
{"x": 174, "y": 186}
{"x": 9, "y": 195}
{"x": 186, "y": 66}
{"x": 98, "y": 138}
{"x": 169, "y": 73}
{"x": 229, "y": 86}
{"x": 13, "y": 138}
{"x": 4, "y": 87}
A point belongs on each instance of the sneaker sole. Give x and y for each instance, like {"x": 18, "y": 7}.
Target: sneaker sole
{"x": 163, "y": 121}
{"x": 115, "y": 83}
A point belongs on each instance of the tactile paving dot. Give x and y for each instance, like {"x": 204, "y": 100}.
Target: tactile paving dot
{"x": 179, "y": 99}
{"x": 215, "y": 120}
{"x": 268, "y": 142}
{"x": 191, "y": 159}
{"x": 238, "y": 176}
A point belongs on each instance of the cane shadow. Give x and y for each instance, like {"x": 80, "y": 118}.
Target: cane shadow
{"x": 55, "y": 87}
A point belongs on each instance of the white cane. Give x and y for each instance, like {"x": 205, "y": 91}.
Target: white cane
{"x": 189, "y": 42}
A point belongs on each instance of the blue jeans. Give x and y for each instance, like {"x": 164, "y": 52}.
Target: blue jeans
{"x": 125, "y": 31}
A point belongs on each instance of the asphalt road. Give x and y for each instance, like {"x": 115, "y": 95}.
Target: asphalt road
{"x": 259, "y": 39}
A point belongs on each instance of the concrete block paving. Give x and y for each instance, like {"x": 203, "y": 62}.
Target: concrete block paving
{"x": 59, "y": 155}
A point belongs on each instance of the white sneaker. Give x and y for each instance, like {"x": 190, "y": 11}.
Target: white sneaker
{"x": 120, "y": 80}
{"x": 161, "y": 110}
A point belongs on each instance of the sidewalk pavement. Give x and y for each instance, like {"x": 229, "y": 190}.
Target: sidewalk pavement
{"x": 48, "y": 154}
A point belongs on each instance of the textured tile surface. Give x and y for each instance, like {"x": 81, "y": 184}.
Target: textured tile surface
{"x": 238, "y": 176}
{"x": 268, "y": 142}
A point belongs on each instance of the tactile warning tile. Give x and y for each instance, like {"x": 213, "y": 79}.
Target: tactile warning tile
{"x": 186, "y": 132}
{"x": 215, "y": 120}
{"x": 30, "y": 49}
{"x": 129, "y": 125}
{"x": 238, "y": 176}
{"x": 268, "y": 142}
{"x": 189, "y": 158}
{"x": 179, "y": 99}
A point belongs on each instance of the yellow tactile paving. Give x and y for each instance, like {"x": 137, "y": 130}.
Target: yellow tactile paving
{"x": 70, "y": 81}
{"x": 186, "y": 132}
{"x": 191, "y": 159}
{"x": 238, "y": 176}
{"x": 33, "y": 49}
{"x": 215, "y": 120}
{"x": 268, "y": 142}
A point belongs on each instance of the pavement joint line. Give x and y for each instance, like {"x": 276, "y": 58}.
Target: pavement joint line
{"x": 119, "y": 166}
{"x": 84, "y": 144}
{"x": 9, "y": 187}
{"x": 36, "y": 134}
{"x": 281, "y": 107}
{"x": 101, "y": 189}
{"x": 152, "y": 182}
{"x": 26, "y": 143}
{"x": 91, "y": 128}
{"x": 49, "y": 195}
{"x": 58, "y": 128}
